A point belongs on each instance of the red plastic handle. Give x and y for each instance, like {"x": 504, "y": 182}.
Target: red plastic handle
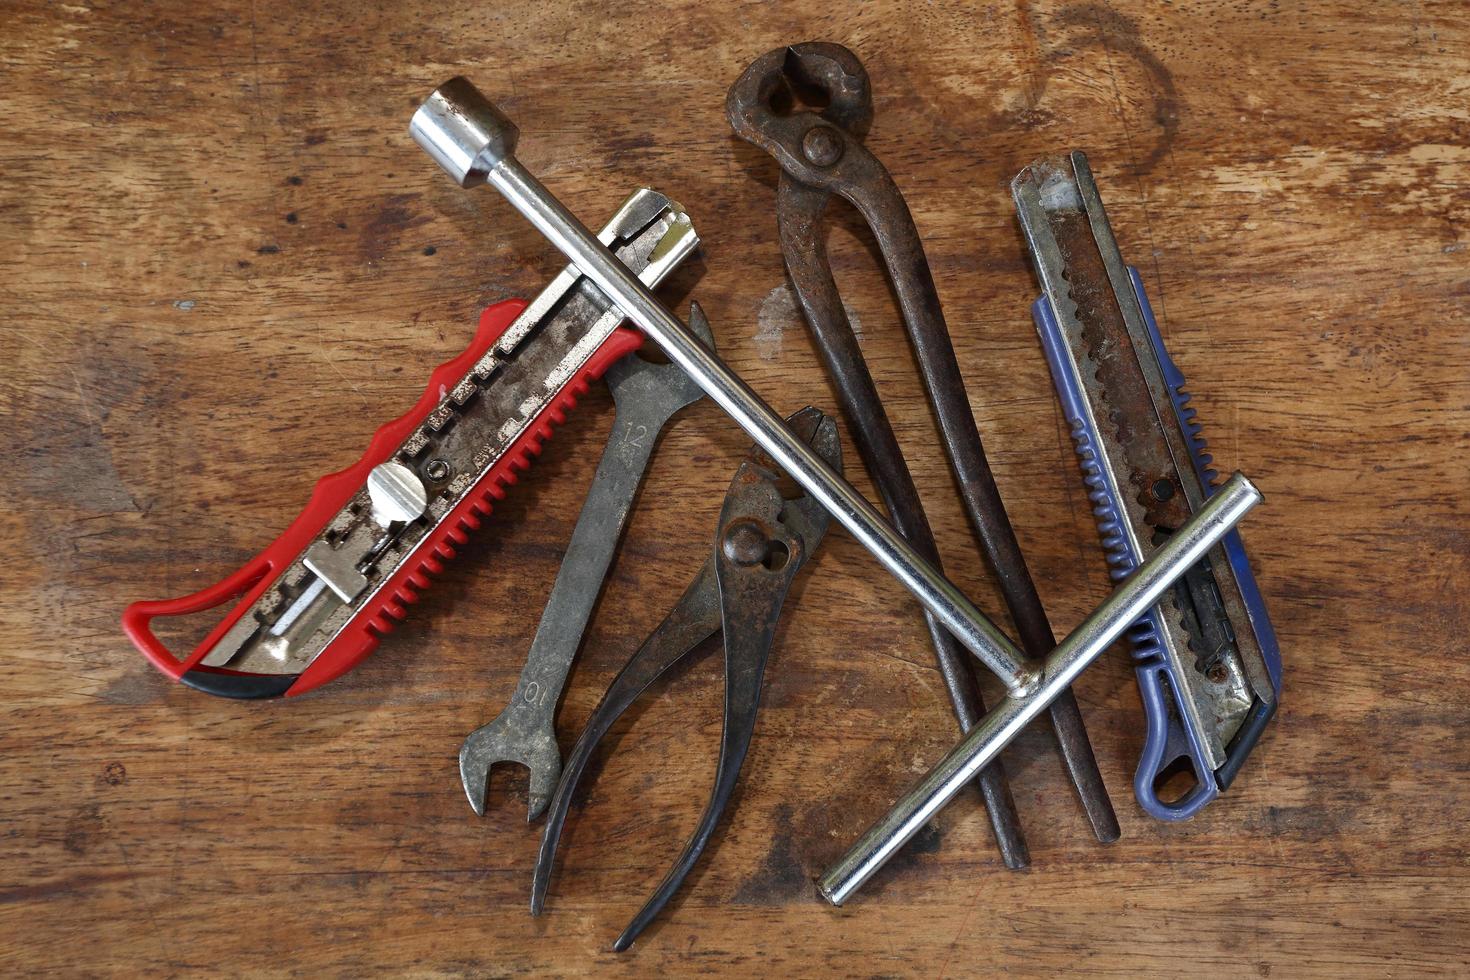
{"x": 389, "y": 604}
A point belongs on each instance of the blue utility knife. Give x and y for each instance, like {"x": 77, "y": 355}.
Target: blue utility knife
{"x": 1207, "y": 660}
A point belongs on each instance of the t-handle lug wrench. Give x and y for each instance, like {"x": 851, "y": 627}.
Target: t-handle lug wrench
{"x": 475, "y": 143}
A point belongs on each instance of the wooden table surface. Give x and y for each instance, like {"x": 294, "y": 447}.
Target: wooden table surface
{"x": 224, "y": 263}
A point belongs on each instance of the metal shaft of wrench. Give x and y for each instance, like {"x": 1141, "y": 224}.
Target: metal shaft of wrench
{"x": 474, "y": 143}
{"x": 821, "y": 154}
{"x": 647, "y": 396}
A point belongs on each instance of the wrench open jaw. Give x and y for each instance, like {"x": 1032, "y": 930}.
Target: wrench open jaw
{"x": 647, "y": 395}
{"x": 763, "y": 541}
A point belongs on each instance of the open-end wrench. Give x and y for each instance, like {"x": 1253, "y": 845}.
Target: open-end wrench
{"x": 647, "y": 396}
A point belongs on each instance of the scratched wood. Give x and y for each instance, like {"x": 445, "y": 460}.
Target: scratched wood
{"x": 224, "y": 263}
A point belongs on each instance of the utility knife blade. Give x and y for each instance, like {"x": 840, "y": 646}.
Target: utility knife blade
{"x": 316, "y": 601}
{"x": 1207, "y": 660}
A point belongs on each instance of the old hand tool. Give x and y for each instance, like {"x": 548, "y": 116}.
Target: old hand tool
{"x": 474, "y": 143}
{"x": 1207, "y": 660}
{"x": 799, "y": 210}
{"x": 1130, "y": 599}
{"x": 647, "y": 396}
{"x": 316, "y": 601}
{"x": 762, "y": 542}
{"x": 821, "y": 153}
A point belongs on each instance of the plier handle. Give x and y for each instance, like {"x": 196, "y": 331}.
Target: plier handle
{"x": 763, "y": 540}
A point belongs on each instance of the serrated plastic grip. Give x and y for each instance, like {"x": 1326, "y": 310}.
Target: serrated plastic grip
{"x": 1169, "y": 741}
{"x": 390, "y": 604}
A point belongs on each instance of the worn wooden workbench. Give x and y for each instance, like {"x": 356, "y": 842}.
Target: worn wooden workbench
{"x": 223, "y": 263}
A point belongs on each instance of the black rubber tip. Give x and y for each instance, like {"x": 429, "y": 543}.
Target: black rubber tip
{"x": 1250, "y": 733}
{"x": 240, "y": 687}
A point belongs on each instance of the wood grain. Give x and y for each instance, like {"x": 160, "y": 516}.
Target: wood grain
{"x": 224, "y": 263}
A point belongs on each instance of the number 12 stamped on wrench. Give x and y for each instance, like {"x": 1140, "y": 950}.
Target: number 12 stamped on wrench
{"x": 647, "y": 396}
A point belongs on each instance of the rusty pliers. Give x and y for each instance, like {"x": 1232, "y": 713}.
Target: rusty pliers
{"x": 764, "y": 539}
{"x": 821, "y": 153}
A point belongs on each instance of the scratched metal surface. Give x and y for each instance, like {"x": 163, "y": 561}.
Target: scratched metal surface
{"x": 224, "y": 263}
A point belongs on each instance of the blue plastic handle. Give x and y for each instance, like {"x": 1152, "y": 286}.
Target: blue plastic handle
{"x": 1169, "y": 742}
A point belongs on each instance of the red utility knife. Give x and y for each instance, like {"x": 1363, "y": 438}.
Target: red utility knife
{"x": 316, "y": 601}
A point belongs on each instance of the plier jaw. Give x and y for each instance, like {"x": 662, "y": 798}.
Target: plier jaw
{"x": 763, "y": 540}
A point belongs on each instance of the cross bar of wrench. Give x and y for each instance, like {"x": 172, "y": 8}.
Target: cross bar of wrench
{"x": 474, "y": 142}
{"x": 1130, "y": 600}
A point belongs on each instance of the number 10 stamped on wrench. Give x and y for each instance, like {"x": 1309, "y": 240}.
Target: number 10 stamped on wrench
{"x": 647, "y": 396}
